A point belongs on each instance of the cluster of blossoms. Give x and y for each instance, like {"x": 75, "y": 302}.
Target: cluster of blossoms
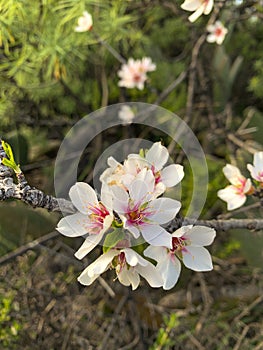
{"x": 217, "y": 31}
{"x": 130, "y": 213}
{"x": 236, "y": 194}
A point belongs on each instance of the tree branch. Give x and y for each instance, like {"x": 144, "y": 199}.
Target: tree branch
{"x": 38, "y": 199}
{"x": 27, "y": 194}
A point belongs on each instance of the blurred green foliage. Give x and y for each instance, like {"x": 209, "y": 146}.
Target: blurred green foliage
{"x": 9, "y": 327}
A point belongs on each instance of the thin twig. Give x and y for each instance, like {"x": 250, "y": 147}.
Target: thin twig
{"x": 31, "y": 245}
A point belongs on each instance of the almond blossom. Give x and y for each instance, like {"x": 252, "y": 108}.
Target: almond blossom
{"x": 133, "y": 73}
{"x": 128, "y": 265}
{"x": 217, "y": 33}
{"x": 126, "y": 114}
{"x": 199, "y": 6}
{"x": 85, "y": 23}
{"x": 234, "y": 194}
{"x": 93, "y": 217}
{"x": 187, "y": 245}
{"x": 141, "y": 213}
{"x": 154, "y": 159}
{"x": 256, "y": 170}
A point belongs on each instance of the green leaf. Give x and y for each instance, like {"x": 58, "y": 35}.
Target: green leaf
{"x": 8, "y": 150}
{"x": 10, "y": 162}
{"x": 113, "y": 238}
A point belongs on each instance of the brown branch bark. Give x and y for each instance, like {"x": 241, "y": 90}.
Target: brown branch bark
{"x": 27, "y": 194}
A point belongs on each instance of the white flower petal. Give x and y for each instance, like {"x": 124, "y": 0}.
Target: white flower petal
{"x": 97, "y": 267}
{"x": 73, "y": 225}
{"x": 150, "y": 273}
{"x": 156, "y": 253}
{"x": 172, "y": 175}
{"x": 83, "y": 196}
{"x": 157, "y": 155}
{"x": 230, "y": 196}
{"x": 247, "y": 186}
{"x": 123, "y": 276}
{"x": 200, "y": 236}
{"x": 133, "y": 229}
{"x": 129, "y": 277}
{"x": 170, "y": 271}
{"x": 88, "y": 245}
{"x": 134, "y": 258}
{"x": 258, "y": 161}
{"x": 120, "y": 199}
{"x": 208, "y": 7}
{"x": 191, "y": 5}
{"x": 165, "y": 209}
{"x": 156, "y": 235}
{"x": 196, "y": 14}
{"x": 232, "y": 173}
{"x": 182, "y": 231}
{"x": 197, "y": 259}
{"x": 139, "y": 191}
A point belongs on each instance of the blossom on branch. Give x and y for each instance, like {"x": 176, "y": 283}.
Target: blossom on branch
{"x": 85, "y": 23}
{"x": 93, "y": 217}
{"x": 199, "y": 6}
{"x": 234, "y": 194}
{"x": 128, "y": 266}
{"x": 217, "y": 33}
{"x": 188, "y": 246}
{"x": 141, "y": 213}
{"x": 133, "y": 73}
{"x": 256, "y": 170}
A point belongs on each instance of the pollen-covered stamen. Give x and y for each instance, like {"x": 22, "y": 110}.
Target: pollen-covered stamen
{"x": 139, "y": 213}
{"x": 179, "y": 244}
{"x": 97, "y": 216}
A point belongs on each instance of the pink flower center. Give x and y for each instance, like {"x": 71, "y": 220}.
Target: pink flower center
{"x": 137, "y": 77}
{"x": 97, "y": 216}
{"x": 157, "y": 175}
{"x": 179, "y": 244}
{"x": 218, "y": 32}
{"x": 138, "y": 214}
{"x": 241, "y": 186}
